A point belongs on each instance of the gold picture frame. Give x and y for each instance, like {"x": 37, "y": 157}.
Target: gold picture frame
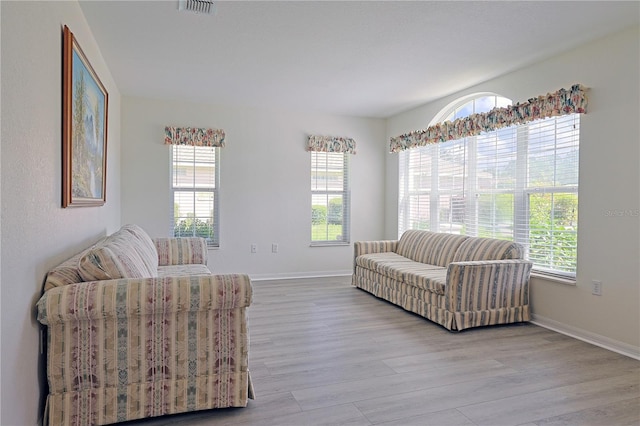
{"x": 85, "y": 104}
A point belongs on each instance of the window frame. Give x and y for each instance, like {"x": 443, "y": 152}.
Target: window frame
{"x": 213, "y": 188}
{"x": 522, "y": 189}
{"x": 345, "y": 193}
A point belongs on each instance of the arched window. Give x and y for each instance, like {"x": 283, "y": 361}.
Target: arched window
{"x": 518, "y": 183}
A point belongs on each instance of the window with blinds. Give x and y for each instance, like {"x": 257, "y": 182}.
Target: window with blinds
{"x": 194, "y": 185}
{"x": 518, "y": 183}
{"x": 330, "y": 203}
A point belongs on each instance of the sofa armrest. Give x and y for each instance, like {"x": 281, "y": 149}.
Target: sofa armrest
{"x": 124, "y": 298}
{"x": 181, "y": 251}
{"x": 368, "y": 247}
{"x": 487, "y": 285}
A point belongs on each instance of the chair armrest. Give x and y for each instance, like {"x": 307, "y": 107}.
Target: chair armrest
{"x": 181, "y": 251}
{"x": 486, "y": 285}
{"x": 124, "y": 298}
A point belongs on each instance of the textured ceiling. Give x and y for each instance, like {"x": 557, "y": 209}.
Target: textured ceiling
{"x": 371, "y": 59}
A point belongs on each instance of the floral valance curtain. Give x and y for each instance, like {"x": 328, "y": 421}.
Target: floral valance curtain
{"x": 331, "y": 144}
{"x": 562, "y": 102}
{"x": 193, "y": 136}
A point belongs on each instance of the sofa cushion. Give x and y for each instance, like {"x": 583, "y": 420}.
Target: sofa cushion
{"x": 417, "y": 274}
{"x": 377, "y": 261}
{"x": 144, "y": 245}
{"x": 429, "y": 247}
{"x": 389, "y": 264}
{"x": 488, "y": 249}
{"x": 183, "y": 270}
{"x": 427, "y": 277}
{"x": 181, "y": 251}
{"x": 113, "y": 257}
{"x": 65, "y": 273}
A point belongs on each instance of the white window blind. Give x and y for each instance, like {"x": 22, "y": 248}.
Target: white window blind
{"x": 551, "y": 194}
{"x": 330, "y": 198}
{"x": 518, "y": 183}
{"x": 194, "y": 185}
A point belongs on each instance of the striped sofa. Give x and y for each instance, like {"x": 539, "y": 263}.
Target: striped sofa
{"x": 454, "y": 280}
{"x": 139, "y": 328}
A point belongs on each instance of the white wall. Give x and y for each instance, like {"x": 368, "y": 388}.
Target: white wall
{"x": 265, "y": 194}
{"x": 608, "y": 246}
{"x": 36, "y": 233}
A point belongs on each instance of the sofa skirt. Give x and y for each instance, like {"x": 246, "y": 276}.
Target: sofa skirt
{"x": 106, "y": 405}
{"x": 434, "y": 306}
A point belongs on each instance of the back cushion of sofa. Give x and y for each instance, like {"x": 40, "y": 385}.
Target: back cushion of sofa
{"x": 488, "y": 249}
{"x": 144, "y": 245}
{"x": 434, "y": 248}
{"x": 65, "y": 273}
{"x": 114, "y": 257}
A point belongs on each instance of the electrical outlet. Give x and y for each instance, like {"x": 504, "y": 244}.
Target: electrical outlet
{"x": 596, "y": 288}
{"x": 254, "y": 248}
{"x": 274, "y": 248}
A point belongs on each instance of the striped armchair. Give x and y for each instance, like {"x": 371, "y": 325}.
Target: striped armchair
{"x": 127, "y": 342}
{"x": 454, "y": 280}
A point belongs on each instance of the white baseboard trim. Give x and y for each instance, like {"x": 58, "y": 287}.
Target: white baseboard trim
{"x": 587, "y": 336}
{"x": 298, "y": 275}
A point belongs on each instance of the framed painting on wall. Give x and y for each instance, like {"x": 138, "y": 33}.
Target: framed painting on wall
{"x": 84, "y": 129}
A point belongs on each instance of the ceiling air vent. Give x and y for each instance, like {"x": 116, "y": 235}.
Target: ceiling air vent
{"x": 206, "y": 7}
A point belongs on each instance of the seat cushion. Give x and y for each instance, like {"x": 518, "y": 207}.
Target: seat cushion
{"x": 417, "y": 274}
{"x": 378, "y": 261}
{"x": 427, "y": 277}
{"x": 183, "y": 270}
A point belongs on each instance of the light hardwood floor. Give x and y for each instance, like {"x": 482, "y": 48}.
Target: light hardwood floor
{"x": 325, "y": 353}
